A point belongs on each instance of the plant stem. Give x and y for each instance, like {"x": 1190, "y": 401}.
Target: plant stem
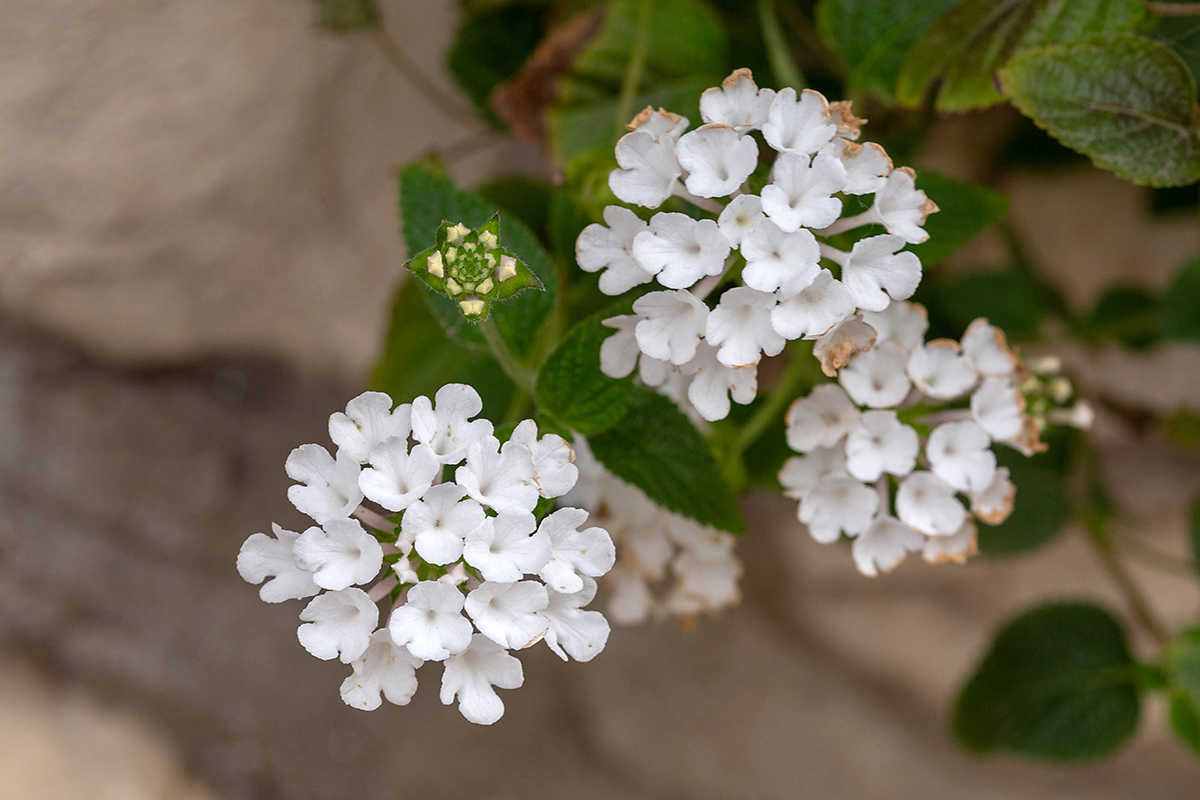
{"x": 637, "y": 62}
{"x": 1164, "y": 562}
{"x": 522, "y": 377}
{"x": 1174, "y": 9}
{"x": 782, "y": 62}
{"x": 419, "y": 80}
{"x": 1111, "y": 560}
{"x": 784, "y": 391}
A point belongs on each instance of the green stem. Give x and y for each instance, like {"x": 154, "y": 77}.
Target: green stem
{"x": 1163, "y": 562}
{"x": 1102, "y": 543}
{"x": 522, "y": 377}
{"x": 637, "y": 62}
{"x": 425, "y": 87}
{"x": 786, "y": 388}
{"x": 1174, "y": 9}
{"x": 782, "y": 62}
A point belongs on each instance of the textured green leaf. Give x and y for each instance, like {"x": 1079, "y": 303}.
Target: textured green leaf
{"x": 1126, "y": 102}
{"x": 571, "y": 386}
{"x": 967, "y": 45}
{"x": 489, "y": 49}
{"x": 657, "y": 449}
{"x": 966, "y": 210}
{"x": 1181, "y": 34}
{"x": 347, "y": 15}
{"x": 873, "y": 36}
{"x": 1040, "y": 510}
{"x": 1181, "y": 304}
{"x": 1058, "y": 684}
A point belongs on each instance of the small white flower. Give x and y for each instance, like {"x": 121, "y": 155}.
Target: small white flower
{"x": 1081, "y": 416}
{"x": 881, "y": 443}
{"x": 397, "y": 478}
{"x": 712, "y": 577}
{"x": 999, "y": 408}
{"x": 679, "y": 250}
{"x": 672, "y": 325}
{"x": 507, "y": 613}
{"x": 739, "y": 217}
{"x": 619, "y": 351}
{"x": 953, "y": 549}
{"x": 849, "y": 126}
{"x": 867, "y": 165}
{"x": 959, "y": 453}
{"x": 741, "y": 326}
{"x": 902, "y": 208}
{"x": 801, "y": 192}
{"x": 339, "y": 625}
{"x": 263, "y": 557}
{"x": 330, "y": 488}
{"x": 661, "y": 124}
{"x": 647, "y": 169}
{"x": 927, "y": 503}
{"x": 430, "y": 623}
{"x": 384, "y": 670}
{"x": 573, "y": 631}
{"x": 340, "y": 554}
{"x": 882, "y": 546}
{"x": 940, "y": 370}
{"x": 712, "y": 384}
{"x": 611, "y": 250}
{"x": 779, "y": 261}
{"x": 369, "y": 420}
{"x": 630, "y": 601}
{"x": 554, "y": 472}
{"x": 995, "y": 503}
{"x": 717, "y": 158}
{"x": 801, "y": 473}
{"x": 841, "y": 343}
{"x": 506, "y": 547}
{"x": 448, "y": 427}
{"x": 821, "y": 419}
{"x": 901, "y": 322}
{"x": 438, "y": 523}
{"x": 575, "y": 555}
{"x": 988, "y": 349}
{"x": 406, "y": 571}
{"x": 471, "y": 675}
{"x": 838, "y": 503}
{"x": 655, "y": 373}
{"x": 499, "y": 476}
{"x": 877, "y": 378}
{"x": 815, "y": 310}
{"x": 876, "y": 274}
{"x": 737, "y": 102}
{"x": 798, "y": 126}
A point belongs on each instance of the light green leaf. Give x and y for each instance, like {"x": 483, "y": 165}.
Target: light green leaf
{"x": 1058, "y": 684}
{"x": 1183, "y": 668}
{"x": 1185, "y": 720}
{"x": 489, "y": 49}
{"x": 966, "y": 210}
{"x": 1181, "y": 304}
{"x": 341, "y": 16}
{"x": 571, "y": 387}
{"x": 657, "y": 449}
{"x": 1126, "y": 102}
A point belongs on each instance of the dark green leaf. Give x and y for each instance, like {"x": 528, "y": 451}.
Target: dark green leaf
{"x": 1126, "y": 314}
{"x": 526, "y": 199}
{"x": 1126, "y": 102}
{"x": 1183, "y": 667}
{"x": 1040, "y": 510}
{"x": 657, "y": 449}
{"x": 1194, "y": 533}
{"x": 1058, "y": 684}
{"x": 1181, "y": 304}
{"x": 1185, "y": 720}
{"x": 347, "y": 15}
{"x": 1181, "y": 34}
{"x": 489, "y": 49}
{"x": 966, "y": 210}
{"x": 1009, "y": 298}
{"x": 572, "y": 388}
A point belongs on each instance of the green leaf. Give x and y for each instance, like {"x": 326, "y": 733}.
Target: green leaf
{"x": 1183, "y": 667}
{"x": 1185, "y": 720}
{"x": 967, "y": 45}
{"x": 489, "y": 49}
{"x": 1009, "y": 298}
{"x": 657, "y": 449}
{"x": 526, "y": 199}
{"x": 1126, "y": 314}
{"x": 427, "y": 200}
{"x": 1194, "y": 533}
{"x": 966, "y": 210}
{"x": 341, "y": 16}
{"x": 1181, "y": 304}
{"x": 1181, "y": 34}
{"x": 1040, "y": 510}
{"x": 571, "y": 387}
{"x": 873, "y": 36}
{"x": 1126, "y": 102}
{"x": 1058, "y": 684}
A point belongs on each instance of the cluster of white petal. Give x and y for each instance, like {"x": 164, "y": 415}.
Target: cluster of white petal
{"x": 705, "y": 354}
{"x": 469, "y": 571}
{"x": 897, "y": 455}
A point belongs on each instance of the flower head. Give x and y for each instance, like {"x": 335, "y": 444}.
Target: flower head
{"x": 446, "y": 425}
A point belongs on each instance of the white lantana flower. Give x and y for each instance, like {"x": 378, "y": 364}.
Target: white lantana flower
{"x": 575, "y": 555}
{"x": 801, "y": 125}
{"x": 619, "y": 352}
{"x": 329, "y": 487}
{"x": 397, "y": 478}
{"x": 995, "y": 503}
{"x": 508, "y": 613}
{"x": 340, "y": 554}
{"x": 815, "y": 310}
{"x": 447, "y": 427}
{"x": 838, "y": 504}
{"x": 821, "y": 419}
{"x": 801, "y": 191}
{"x": 713, "y": 383}
{"x": 506, "y": 547}
{"x": 901, "y": 207}
{"x": 901, "y": 322}
{"x": 338, "y": 625}
{"x": 384, "y": 670}
{"x": 843, "y": 342}
{"x": 801, "y": 473}
{"x": 999, "y": 408}
{"x": 876, "y": 273}
{"x": 867, "y": 165}
{"x": 671, "y": 325}
{"x": 679, "y": 250}
{"x": 438, "y": 523}
{"x": 647, "y": 169}
{"x": 883, "y": 545}
{"x": 927, "y": 503}
{"x": 959, "y": 453}
{"x": 881, "y": 443}
{"x": 940, "y": 370}
{"x": 611, "y": 250}
{"x": 554, "y": 472}
{"x": 877, "y": 378}
{"x": 987, "y": 347}
{"x": 661, "y": 124}
{"x": 574, "y": 632}
{"x": 739, "y": 217}
{"x": 471, "y": 675}
{"x": 953, "y": 549}
{"x": 779, "y": 261}
{"x": 717, "y": 158}
{"x": 710, "y": 577}
{"x": 263, "y": 557}
{"x": 499, "y": 476}
{"x": 740, "y": 326}
{"x": 368, "y": 420}
{"x": 430, "y": 623}
{"x": 737, "y": 102}
{"x": 630, "y": 600}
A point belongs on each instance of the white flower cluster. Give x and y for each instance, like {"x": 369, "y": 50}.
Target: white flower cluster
{"x": 895, "y": 433}
{"x": 469, "y": 545}
{"x": 667, "y": 565}
{"x": 674, "y": 340}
